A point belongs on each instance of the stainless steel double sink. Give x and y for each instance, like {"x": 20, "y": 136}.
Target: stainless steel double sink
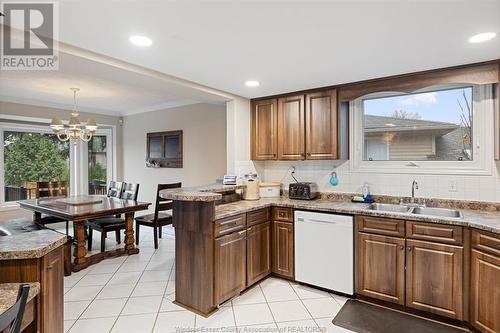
{"x": 428, "y": 211}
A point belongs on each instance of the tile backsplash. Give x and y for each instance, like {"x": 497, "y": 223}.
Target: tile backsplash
{"x": 458, "y": 187}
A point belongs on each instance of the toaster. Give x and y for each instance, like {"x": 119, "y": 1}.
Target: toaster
{"x": 303, "y": 190}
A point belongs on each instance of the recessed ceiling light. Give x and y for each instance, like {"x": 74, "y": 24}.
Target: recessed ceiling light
{"x": 252, "y": 83}
{"x": 479, "y": 38}
{"x": 140, "y": 40}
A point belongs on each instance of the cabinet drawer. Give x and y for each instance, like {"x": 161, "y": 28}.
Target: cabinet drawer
{"x": 229, "y": 224}
{"x": 381, "y": 226}
{"x": 486, "y": 241}
{"x": 434, "y": 232}
{"x": 258, "y": 216}
{"x": 283, "y": 214}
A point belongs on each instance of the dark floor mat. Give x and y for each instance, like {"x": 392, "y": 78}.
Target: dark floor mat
{"x": 366, "y": 318}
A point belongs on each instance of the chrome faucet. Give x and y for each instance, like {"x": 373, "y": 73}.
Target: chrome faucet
{"x": 414, "y": 186}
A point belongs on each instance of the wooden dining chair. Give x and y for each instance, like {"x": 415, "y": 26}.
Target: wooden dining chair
{"x": 159, "y": 218}
{"x": 13, "y": 317}
{"x": 48, "y": 190}
{"x": 115, "y": 223}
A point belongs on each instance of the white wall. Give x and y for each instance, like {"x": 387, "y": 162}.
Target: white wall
{"x": 238, "y": 138}
{"x": 204, "y": 140}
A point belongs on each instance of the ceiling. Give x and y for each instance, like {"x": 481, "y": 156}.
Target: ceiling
{"x": 104, "y": 88}
{"x": 286, "y": 45}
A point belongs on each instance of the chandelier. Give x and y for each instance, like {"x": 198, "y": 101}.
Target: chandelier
{"x": 74, "y": 130}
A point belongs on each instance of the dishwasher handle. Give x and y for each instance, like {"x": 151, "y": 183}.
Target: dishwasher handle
{"x": 338, "y": 223}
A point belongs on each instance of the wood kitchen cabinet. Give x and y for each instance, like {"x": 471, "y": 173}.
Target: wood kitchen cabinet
{"x": 230, "y": 266}
{"x": 52, "y": 287}
{"x": 399, "y": 261}
{"x": 434, "y": 278}
{"x": 299, "y": 127}
{"x": 264, "y": 144}
{"x": 321, "y": 125}
{"x": 283, "y": 246}
{"x": 485, "y": 281}
{"x": 258, "y": 252}
{"x": 381, "y": 267}
{"x": 49, "y": 271}
{"x": 291, "y": 143}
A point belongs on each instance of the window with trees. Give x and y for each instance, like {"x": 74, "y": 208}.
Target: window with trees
{"x": 30, "y": 157}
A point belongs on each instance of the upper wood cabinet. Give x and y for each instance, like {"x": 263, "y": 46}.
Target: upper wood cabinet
{"x": 291, "y": 144}
{"x": 298, "y": 127}
{"x": 264, "y": 138}
{"x": 321, "y": 125}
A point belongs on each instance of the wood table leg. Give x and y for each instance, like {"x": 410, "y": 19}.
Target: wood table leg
{"x": 80, "y": 250}
{"x": 37, "y": 217}
{"x": 129, "y": 234}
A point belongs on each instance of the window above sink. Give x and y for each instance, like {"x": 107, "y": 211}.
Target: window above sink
{"x": 444, "y": 129}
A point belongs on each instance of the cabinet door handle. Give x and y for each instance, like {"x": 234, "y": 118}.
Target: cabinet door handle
{"x": 402, "y": 247}
{"x": 409, "y": 248}
{"x": 50, "y": 268}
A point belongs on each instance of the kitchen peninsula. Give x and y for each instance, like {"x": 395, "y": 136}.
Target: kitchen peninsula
{"x": 34, "y": 255}
{"x": 223, "y": 249}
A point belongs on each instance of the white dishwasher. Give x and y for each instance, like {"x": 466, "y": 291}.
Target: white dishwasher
{"x": 324, "y": 250}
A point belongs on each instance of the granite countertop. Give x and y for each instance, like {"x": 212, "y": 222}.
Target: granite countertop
{"x": 211, "y": 192}
{"x": 28, "y": 244}
{"x": 8, "y": 294}
{"x": 489, "y": 221}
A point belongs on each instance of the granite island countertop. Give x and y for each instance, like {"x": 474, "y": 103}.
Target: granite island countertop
{"x": 211, "y": 192}
{"x": 8, "y": 294}
{"x": 28, "y": 244}
{"x": 484, "y": 220}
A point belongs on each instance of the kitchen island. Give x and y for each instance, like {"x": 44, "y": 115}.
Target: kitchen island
{"x": 221, "y": 250}
{"x": 34, "y": 255}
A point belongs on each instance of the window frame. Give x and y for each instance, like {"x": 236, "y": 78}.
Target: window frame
{"x": 78, "y": 159}
{"x": 482, "y": 140}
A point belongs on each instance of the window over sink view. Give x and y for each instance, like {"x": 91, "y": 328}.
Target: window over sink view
{"x": 428, "y": 126}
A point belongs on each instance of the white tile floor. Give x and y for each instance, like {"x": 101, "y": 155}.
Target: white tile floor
{"x": 134, "y": 294}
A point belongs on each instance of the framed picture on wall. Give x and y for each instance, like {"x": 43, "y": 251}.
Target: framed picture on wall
{"x": 164, "y": 149}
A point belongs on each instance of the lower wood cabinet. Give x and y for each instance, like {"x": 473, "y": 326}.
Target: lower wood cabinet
{"x": 423, "y": 275}
{"x": 258, "y": 252}
{"x": 49, "y": 272}
{"x": 485, "y": 291}
{"x": 52, "y": 289}
{"x": 283, "y": 249}
{"x": 381, "y": 267}
{"x": 230, "y": 266}
{"x": 434, "y": 278}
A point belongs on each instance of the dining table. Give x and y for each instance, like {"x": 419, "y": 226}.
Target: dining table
{"x": 80, "y": 209}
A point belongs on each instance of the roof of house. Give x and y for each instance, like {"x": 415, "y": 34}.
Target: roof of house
{"x": 393, "y": 124}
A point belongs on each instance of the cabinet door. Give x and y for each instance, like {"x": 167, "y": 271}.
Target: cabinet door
{"x": 52, "y": 296}
{"x": 434, "y": 278}
{"x": 381, "y": 267}
{"x": 265, "y": 130}
{"x": 230, "y": 265}
{"x": 485, "y": 291}
{"x": 283, "y": 256}
{"x": 291, "y": 128}
{"x": 258, "y": 252}
{"x": 321, "y": 125}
